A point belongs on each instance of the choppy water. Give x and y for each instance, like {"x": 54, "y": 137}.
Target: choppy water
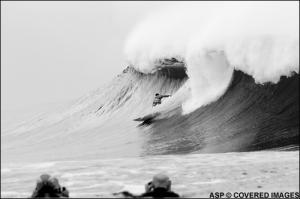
{"x": 194, "y": 175}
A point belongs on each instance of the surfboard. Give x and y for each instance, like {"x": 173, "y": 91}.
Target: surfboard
{"x": 148, "y": 119}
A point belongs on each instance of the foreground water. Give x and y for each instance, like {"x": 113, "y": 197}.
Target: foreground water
{"x": 195, "y": 175}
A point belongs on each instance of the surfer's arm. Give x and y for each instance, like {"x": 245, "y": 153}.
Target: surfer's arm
{"x": 165, "y": 96}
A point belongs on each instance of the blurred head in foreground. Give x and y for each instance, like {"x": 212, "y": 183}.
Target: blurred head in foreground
{"x": 160, "y": 186}
{"x": 162, "y": 181}
{"x": 48, "y": 187}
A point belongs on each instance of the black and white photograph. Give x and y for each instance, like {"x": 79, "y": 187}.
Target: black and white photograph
{"x": 150, "y": 99}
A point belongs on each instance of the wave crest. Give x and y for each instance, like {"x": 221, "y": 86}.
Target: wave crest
{"x": 260, "y": 39}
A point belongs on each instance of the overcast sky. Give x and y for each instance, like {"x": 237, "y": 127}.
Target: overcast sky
{"x": 54, "y": 52}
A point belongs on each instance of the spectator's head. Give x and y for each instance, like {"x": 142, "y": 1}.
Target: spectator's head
{"x": 46, "y": 187}
{"x": 161, "y": 181}
{"x": 44, "y": 178}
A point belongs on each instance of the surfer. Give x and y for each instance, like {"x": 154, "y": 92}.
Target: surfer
{"x": 157, "y": 98}
{"x": 160, "y": 186}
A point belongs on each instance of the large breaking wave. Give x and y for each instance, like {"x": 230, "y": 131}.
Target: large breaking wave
{"x": 248, "y": 117}
{"x": 214, "y": 38}
{"x": 232, "y": 73}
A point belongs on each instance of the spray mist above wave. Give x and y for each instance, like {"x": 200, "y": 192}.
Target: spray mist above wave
{"x": 258, "y": 38}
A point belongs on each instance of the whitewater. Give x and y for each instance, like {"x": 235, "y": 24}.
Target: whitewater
{"x": 231, "y": 123}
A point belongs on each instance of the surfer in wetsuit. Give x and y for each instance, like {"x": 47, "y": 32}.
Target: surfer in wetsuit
{"x": 157, "y": 99}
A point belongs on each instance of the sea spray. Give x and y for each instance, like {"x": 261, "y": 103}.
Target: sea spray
{"x": 258, "y": 38}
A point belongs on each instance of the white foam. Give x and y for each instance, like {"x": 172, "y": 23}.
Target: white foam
{"x": 211, "y": 182}
{"x": 259, "y": 38}
{"x": 134, "y": 189}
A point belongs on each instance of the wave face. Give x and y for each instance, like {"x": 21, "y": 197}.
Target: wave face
{"x": 248, "y": 117}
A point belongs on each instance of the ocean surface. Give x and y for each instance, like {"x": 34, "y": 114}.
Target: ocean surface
{"x": 194, "y": 175}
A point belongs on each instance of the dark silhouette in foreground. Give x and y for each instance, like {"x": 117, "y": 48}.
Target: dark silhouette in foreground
{"x": 49, "y": 187}
{"x": 159, "y": 187}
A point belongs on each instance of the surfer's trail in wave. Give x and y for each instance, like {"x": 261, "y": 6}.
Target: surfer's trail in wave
{"x": 232, "y": 72}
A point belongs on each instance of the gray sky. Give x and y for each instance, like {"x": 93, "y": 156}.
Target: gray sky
{"x": 57, "y": 51}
